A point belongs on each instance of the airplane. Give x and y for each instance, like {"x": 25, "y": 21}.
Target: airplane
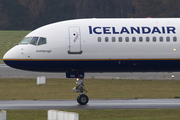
{"x": 78, "y": 46}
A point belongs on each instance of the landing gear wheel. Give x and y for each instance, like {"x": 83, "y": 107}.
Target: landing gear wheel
{"x": 78, "y": 99}
{"x": 82, "y": 99}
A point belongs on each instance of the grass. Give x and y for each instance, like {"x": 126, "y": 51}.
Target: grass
{"x": 27, "y": 89}
{"x": 108, "y": 114}
{"x": 8, "y": 39}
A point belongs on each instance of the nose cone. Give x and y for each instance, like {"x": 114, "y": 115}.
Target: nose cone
{"x": 11, "y": 55}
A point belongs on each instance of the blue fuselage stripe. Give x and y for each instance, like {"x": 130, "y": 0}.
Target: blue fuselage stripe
{"x": 98, "y": 66}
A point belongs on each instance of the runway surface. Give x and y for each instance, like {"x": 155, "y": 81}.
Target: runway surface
{"x": 7, "y": 72}
{"x": 93, "y": 104}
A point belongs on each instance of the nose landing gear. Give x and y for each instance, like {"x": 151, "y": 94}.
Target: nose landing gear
{"x": 82, "y": 99}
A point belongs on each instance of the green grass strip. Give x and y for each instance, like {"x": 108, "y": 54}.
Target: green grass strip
{"x": 108, "y": 114}
{"x": 55, "y": 89}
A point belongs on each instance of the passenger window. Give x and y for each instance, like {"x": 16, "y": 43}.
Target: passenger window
{"x": 154, "y": 39}
{"x": 120, "y": 39}
{"x": 167, "y": 39}
{"x": 34, "y": 40}
{"x": 26, "y": 40}
{"x": 113, "y": 39}
{"x": 99, "y": 39}
{"x": 134, "y": 39}
{"x": 161, "y": 39}
{"x": 42, "y": 41}
{"x": 140, "y": 39}
{"x": 127, "y": 39}
{"x": 174, "y": 39}
{"x": 147, "y": 39}
{"x": 106, "y": 39}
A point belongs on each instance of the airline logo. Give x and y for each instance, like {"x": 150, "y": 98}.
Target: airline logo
{"x": 132, "y": 30}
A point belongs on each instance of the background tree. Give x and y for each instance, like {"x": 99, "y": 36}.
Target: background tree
{"x": 31, "y": 14}
{"x": 4, "y": 18}
{"x": 156, "y": 8}
{"x": 35, "y": 8}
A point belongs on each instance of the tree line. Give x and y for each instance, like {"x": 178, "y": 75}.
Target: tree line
{"x": 30, "y": 14}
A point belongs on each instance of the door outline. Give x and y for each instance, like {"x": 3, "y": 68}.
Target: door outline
{"x": 74, "y": 40}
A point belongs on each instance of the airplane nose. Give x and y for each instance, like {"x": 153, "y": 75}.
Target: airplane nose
{"x": 11, "y": 55}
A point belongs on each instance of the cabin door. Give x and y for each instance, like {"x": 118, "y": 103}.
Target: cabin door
{"x": 74, "y": 40}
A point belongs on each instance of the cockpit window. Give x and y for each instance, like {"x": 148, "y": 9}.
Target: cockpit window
{"x": 34, "y": 40}
{"x": 42, "y": 41}
{"x": 26, "y": 40}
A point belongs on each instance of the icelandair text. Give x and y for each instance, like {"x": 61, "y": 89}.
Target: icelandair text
{"x": 132, "y": 30}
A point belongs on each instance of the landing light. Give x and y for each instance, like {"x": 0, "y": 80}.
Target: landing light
{"x": 77, "y": 79}
{"x": 174, "y": 49}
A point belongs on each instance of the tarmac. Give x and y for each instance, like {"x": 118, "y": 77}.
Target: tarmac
{"x": 7, "y": 72}
{"x": 93, "y": 104}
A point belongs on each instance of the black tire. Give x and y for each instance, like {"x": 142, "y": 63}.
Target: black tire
{"x": 82, "y": 99}
{"x": 78, "y": 99}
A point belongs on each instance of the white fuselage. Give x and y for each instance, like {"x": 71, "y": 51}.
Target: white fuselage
{"x": 102, "y": 44}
